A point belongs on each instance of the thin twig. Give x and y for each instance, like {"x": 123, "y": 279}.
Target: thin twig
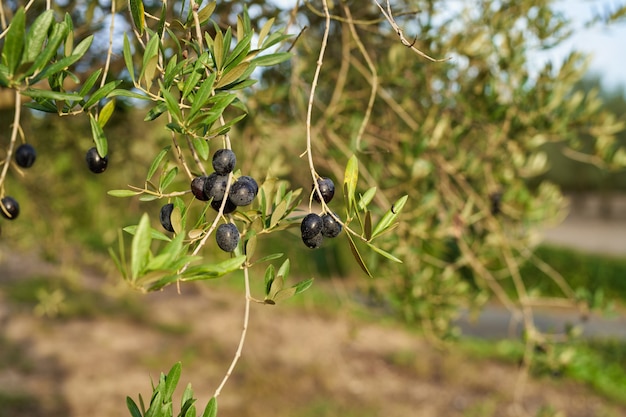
{"x": 14, "y": 131}
{"x": 242, "y": 339}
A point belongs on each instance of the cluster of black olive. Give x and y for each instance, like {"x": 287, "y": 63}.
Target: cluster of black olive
{"x": 213, "y": 187}
{"x": 314, "y": 228}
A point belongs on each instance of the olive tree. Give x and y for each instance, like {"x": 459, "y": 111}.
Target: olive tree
{"x": 427, "y": 116}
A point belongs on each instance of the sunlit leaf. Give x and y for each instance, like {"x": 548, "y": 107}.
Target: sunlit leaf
{"x": 99, "y": 138}
{"x": 137, "y": 14}
{"x": 156, "y": 162}
{"x": 140, "y": 247}
{"x": 357, "y": 255}
{"x": 14, "y": 41}
{"x": 389, "y": 217}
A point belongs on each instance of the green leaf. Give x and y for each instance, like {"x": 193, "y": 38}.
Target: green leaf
{"x": 269, "y": 277}
{"x": 120, "y": 92}
{"x": 211, "y": 408}
{"x": 278, "y": 213}
{"x": 132, "y": 407}
{"x": 233, "y": 75}
{"x": 270, "y": 257}
{"x": 58, "y": 66}
{"x": 101, "y": 93}
{"x": 98, "y": 137}
{"x": 59, "y": 32}
{"x": 128, "y": 58}
{"x": 367, "y": 227}
{"x": 202, "y": 272}
{"x": 14, "y": 41}
{"x": 203, "y": 94}
{"x": 367, "y": 198}
{"x": 383, "y": 253}
{"x": 154, "y": 234}
{"x": 265, "y": 30}
{"x": 140, "y": 247}
{"x": 106, "y": 113}
{"x": 150, "y": 60}
{"x": 37, "y": 35}
{"x": 350, "y": 180}
{"x": 218, "y": 50}
{"x": 283, "y": 271}
{"x": 172, "y": 105}
{"x": 167, "y": 179}
{"x": 250, "y": 246}
{"x": 303, "y": 285}
{"x": 137, "y": 14}
{"x": 157, "y": 161}
{"x": 271, "y": 59}
{"x": 205, "y": 13}
{"x": 390, "y": 216}
{"x": 155, "y": 112}
{"x": 202, "y": 147}
{"x": 51, "y": 95}
{"x": 89, "y": 82}
{"x": 173, "y": 376}
{"x": 357, "y": 256}
{"x": 123, "y": 193}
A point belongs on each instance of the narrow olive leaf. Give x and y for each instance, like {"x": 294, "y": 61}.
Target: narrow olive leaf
{"x": 122, "y": 193}
{"x": 357, "y": 255}
{"x": 265, "y": 30}
{"x": 390, "y": 216}
{"x": 137, "y": 14}
{"x": 211, "y": 408}
{"x": 271, "y": 59}
{"x": 155, "y": 112}
{"x": 284, "y": 294}
{"x": 383, "y": 253}
{"x": 120, "y": 92}
{"x": 367, "y": 198}
{"x": 202, "y": 147}
{"x": 57, "y": 35}
{"x": 271, "y": 257}
{"x": 367, "y": 227}
{"x": 167, "y": 179}
{"x": 154, "y": 234}
{"x": 240, "y": 52}
{"x": 128, "y": 58}
{"x": 101, "y": 93}
{"x": 51, "y": 95}
{"x": 278, "y": 213}
{"x": 140, "y": 247}
{"x": 132, "y": 407}
{"x": 172, "y": 104}
{"x": 233, "y": 75}
{"x": 98, "y": 137}
{"x": 218, "y": 50}
{"x": 150, "y": 60}
{"x": 89, "y": 82}
{"x": 205, "y": 13}
{"x": 201, "y": 272}
{"x": 157, "y": 161}
{"x": 37, "y": 35}
{"x": 350, "y": 180}
{"x": 303, "y": 285}
{"x": 106, "y": 112}
{"x": 283, "y": 271}
{"x": 173, "y": 376}
{"x": 203, "y": 94}
{"x": 176, "y": 218}
{"x": 58, "y": 66}
{"x": 251, "y": 246}
{"x": 14, "y": 41}
{"x": 270, "y": 275}
{"x": 118, "y": 263}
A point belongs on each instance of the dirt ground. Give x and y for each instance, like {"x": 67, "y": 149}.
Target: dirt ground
{"x": 296, "y": 361}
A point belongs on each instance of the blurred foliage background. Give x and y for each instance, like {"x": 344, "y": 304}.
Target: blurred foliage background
{"x": 455, "y": 135}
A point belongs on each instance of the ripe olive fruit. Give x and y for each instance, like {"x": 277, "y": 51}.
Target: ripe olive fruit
{"x": 228, "y": 208}
{"x": 330, "y": 227}
{"x": 96, "y": 163}
{"x": 166, "y": 217}
{"x": 10, "y": 208}
{"x": 311, "y": 226}
{"x": 250, "y": 181}
{"x": 215, "y": 186}
{"x": 197, "y": 188}
{"x": 327, "y": 189}
{"x": 314, "y": 242}
{"x": 224, "y": 161}
{"x": 242, "y": 192}
{"x": 25, "y": 155}
{"x": 227, "y": 237}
